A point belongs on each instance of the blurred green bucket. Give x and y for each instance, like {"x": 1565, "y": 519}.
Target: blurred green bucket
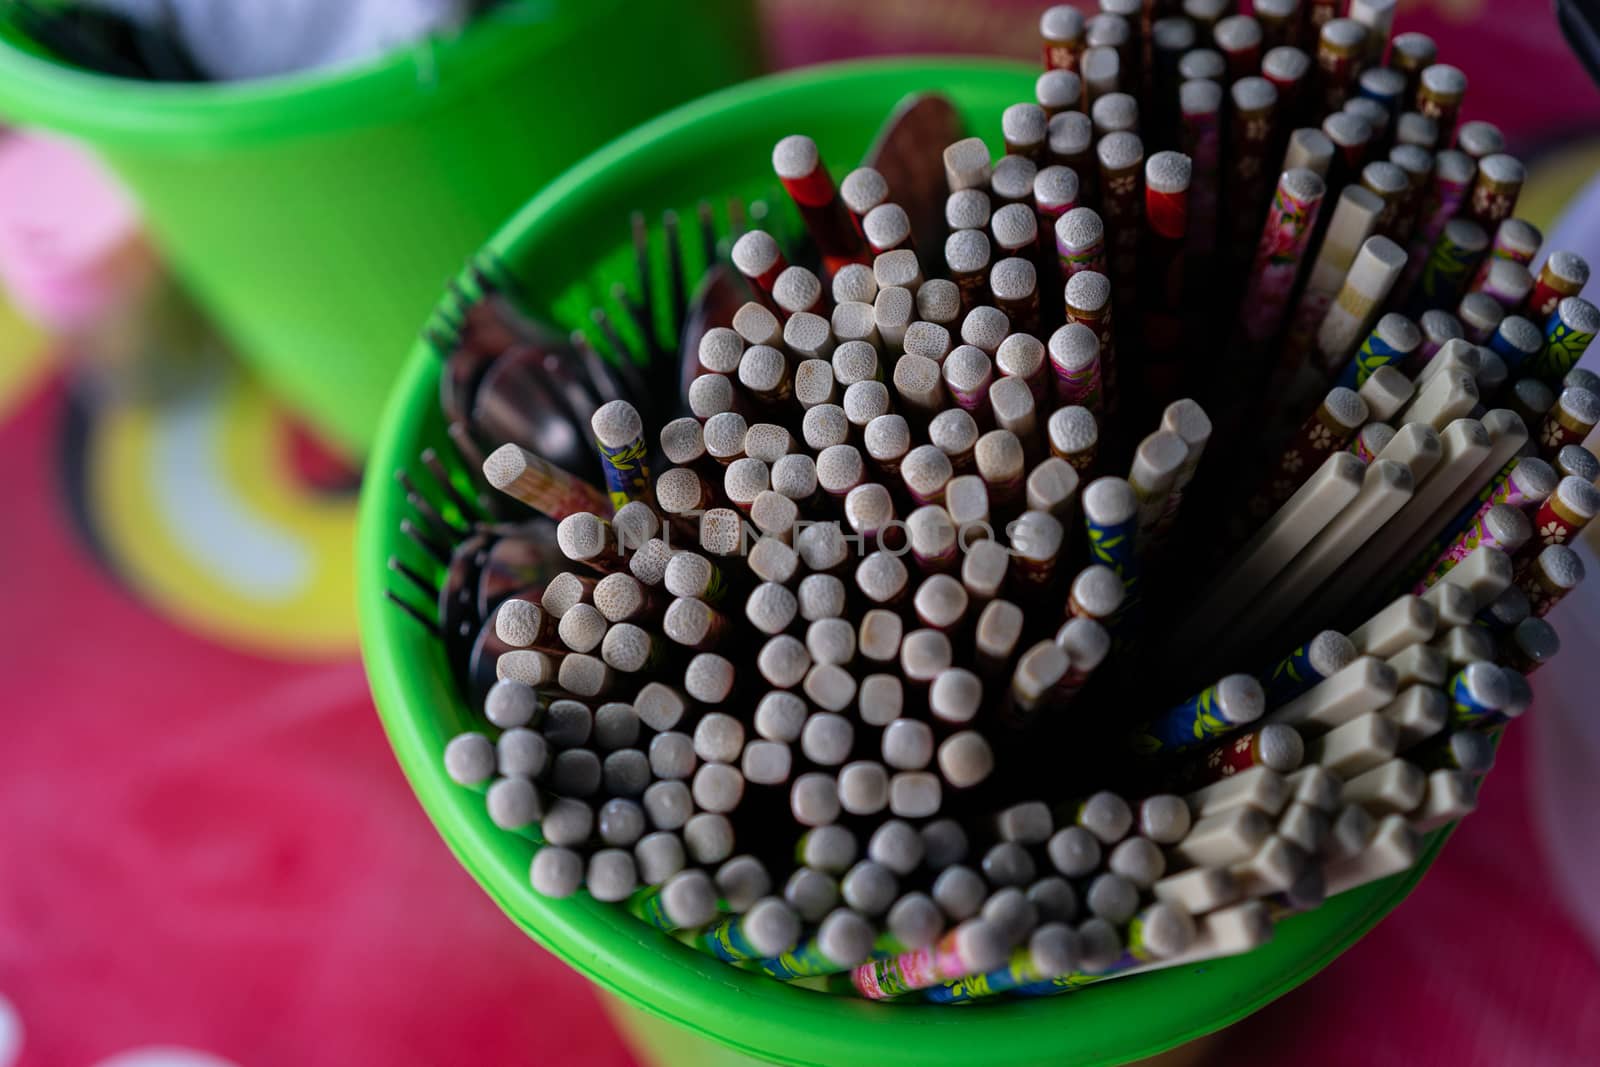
{"x": 566, "y": 248}
{"x": 318, "y": 215}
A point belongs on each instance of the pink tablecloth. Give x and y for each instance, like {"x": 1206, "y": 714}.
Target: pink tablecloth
{"x": 209, "y": 856}
{"x": 215, "y": 851}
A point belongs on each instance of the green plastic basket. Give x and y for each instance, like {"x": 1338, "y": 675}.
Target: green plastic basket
{"x": 664, "y": 165}
{"x": 318, "y": 215}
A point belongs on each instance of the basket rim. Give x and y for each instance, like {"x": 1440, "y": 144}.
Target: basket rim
{"x": 1111, "y": 1023}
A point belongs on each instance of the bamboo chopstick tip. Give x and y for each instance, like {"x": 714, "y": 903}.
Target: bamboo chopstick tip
{"x": 1108, "y": 29}
{"x": 1115, "y": 111}
{"x": 1203, "y": 64}
{"x": 506, "y": 464}
{"x": 966, "y": 251}
{"x": 1061, "y": 22}
{"x": 999, "y": 455}
{"x": 1167, "y": 930}
{"x": 1579, "y": 497}
{"x": 887, "y": 437}
{"x": 1121, "y": 150}
{"x": 863, "y": 402}
{"x": 981, "y": 945}
{"x": 966, "y": 368}
{"x": 1013, "y": 278}
{"x": 1086, "y": 642}
{"x": 1577, "y": 461}
{"x": 582, "y": 535}
{"x": 840, "y": 467}
{"x": 1282, "y": 747}
{"x": 1349, "y": 130}
{"x": 897, "y": 269}
{"x": 1173, "y": 33}
{"x": 582, "y": 628}
{"x": 1023, "y": 123}
{"x": 1508, "y": 525}
{"x": 1569, "y": 266}
{"x": 1168, "y": 172}
{"x": 756, "y": 324}
{"x": 1440, "y": 326}
{"x": 1036, "y": 535}
{"x": 767, "y": 442}
{"x": 1346, "y": 407}
{"x": 1011, "y": 399}
{"x": 1236, "y": 32}
{"x": 1346, "y": 33}
{"x": 1240, "y": 698}
{"x": 724, "y": 433}
{"x": 1057, "y": 90}
{"x": 710, "y": 395}
{"x": 1080, "y": 228}
{"x": 1578, "y": 314}
{"x": 1200, "y": 96}
{"x": 1479, "y": 139}
{"x": 1056, "y": 186}
{"x": 1502, "y": 169}
{"x": 795, "y": 157}
{"x": 1416, "y": 129}
{"x": 863, "y": 189}
{"x": 797, "y": 289}
{"x": 852, "y": 283}
{"x": 1398, "y": 332}
{"x": 721, "y": 348}
{"x": 1385, "y": 178}
{"x": 1285, "y": 63}
{"x": 966, "y": 163}
{"x": 822, "y": 546}
{"x": 938, "y": 301}
{"x": 1561, "y": 566}
{"x": 985, "y": 327}
{"x": 845, "y": 937}
{"x": 1253, "y": 94}
{"x": 967, "y": 209}
{"x": 1014, "y": 225}
{"x": 806, "y": 333}
{"x": 1101, "y": 68}
{"x": 1071, "y": 134}
{"x": 1158, "y": 458}
{"x": 1020, "y": 355}
{"x": 1330, "y": 652}
{"x": 469, "y": 758}
{"x": 1519, "y": 697}
{"x": 1074, "y": 346}
{"x": 1110, "y": 501}
{"x": 683, "y": 440}
{"x": 518, "y": 623}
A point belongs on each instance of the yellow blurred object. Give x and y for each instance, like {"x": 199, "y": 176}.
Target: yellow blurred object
{"x": 24, "y": 353}
{"x": 196, "y": 503}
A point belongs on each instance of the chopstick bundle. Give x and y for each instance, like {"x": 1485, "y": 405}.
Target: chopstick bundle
{"x": 897, "y": 665}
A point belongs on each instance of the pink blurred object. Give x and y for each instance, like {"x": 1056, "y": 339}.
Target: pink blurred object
{"x": 1567, "y": 729}
{"x": 222, "y": 859}
{"x": 71, "y": 247}
{"x": 1566, "y": 784}
{"x": 1500, "y": 45}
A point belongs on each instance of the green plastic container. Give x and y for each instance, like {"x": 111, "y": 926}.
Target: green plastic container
{"x": 664, "y": 165}
{"x": 318, "y": 215}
